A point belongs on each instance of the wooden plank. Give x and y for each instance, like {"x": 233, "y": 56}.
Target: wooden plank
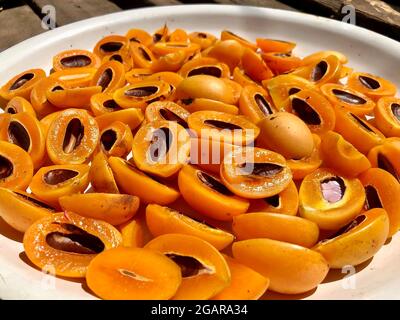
{"x": 258, "y": 3}
{"x": 20, "y": 23}
{"x": 76, "y": 10}
{"x": 377, "y": 10}
{"x": 375, "y": 15}
{"x": 163, "y": 2}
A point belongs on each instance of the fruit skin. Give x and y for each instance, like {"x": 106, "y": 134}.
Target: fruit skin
{"x": 349, "y": 126}
{"x": 132, "y": 233}
{"x": 37, "y": 140}
{"x": 203, "y": 285}
{"x": 342, "y": 156}
{"x": 287, "y": 134}
{"x": 101, "y": 175}
{"x": 282, "y": 85}
{"x": 82, "y": 151}
{"x": 25, "y": 89}
{"x": 19, "y": 213}
{"x": 144, "y": 280}
{"x": 250, "y": 106}
{"x": 64, "y": 263}
{"x": 302, "y": 167}
{"x": 122, "y": 144}
{"x": 206, "y": 200}
{"x": 244, "y": 132}
{"x": 319, "y": 104}
{"x": 388, "y": 190}
{"x": 254, "y": 66}
{"x": 227, "y": 51}
{"x": 276, "y": 226}
{"x": 246, "y": 284}
{"x": 386, "y": 155}
{"x": 385, "y": 119}
{"x": 204, "y": 86}
{"x": 134, "y": 182}
{"x": 358, "y": 244}
{"x": 292, "y": 269}
{"x": 248, "y": 184}
{"x": 22, "y": 166}
{"x": 358, "y": 109}
{"x": 288, "y": 202}
{"x": 173, "y": 159}
{"x": 163, "y": 220}
{"x": 52, "y": 192}
{"x": 386, "y": 88}
{"x": 112, "y": 208}
{"x": 329, "y": 216}
{"x": 133, "y": 117}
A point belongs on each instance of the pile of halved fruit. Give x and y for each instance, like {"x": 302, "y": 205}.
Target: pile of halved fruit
{"x": 185, "y": 166}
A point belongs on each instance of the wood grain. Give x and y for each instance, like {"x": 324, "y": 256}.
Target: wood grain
{"x": 258, "y": 3}
{"x": 75, "y": 10}
{"x": 375, "y": 15}
{"x": 22, "y": 23}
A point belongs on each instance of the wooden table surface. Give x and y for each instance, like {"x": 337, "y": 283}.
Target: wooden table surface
{"x": 20, "y": 20}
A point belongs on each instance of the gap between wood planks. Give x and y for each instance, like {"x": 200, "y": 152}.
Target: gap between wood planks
{"x": 375, "y": 15}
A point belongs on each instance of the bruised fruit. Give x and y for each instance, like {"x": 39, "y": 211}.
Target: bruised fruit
{"x": 112, "y": 208}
